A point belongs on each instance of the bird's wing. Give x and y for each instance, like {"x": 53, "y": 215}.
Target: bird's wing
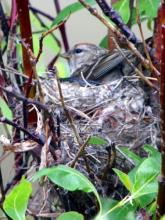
{"x": 105, "y": 65}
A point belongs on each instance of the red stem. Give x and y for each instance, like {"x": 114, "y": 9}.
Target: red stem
{"x": 13, "y": 15}
{"x": 62, "y": 28}
{"x": 26, "y": 33}
{"x": 26, "y": 36}
{"x": 161, "y": 54}
{"x": 161, "y": 191}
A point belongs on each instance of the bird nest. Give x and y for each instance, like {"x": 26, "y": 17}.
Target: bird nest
{"x": 123, "y": 112}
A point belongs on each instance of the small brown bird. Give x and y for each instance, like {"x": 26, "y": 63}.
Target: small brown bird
{"x": 93, "y": 63}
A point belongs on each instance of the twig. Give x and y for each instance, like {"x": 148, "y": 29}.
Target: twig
{"x": 130, "y": 45}
{"x": 24, "y": 99}
{"x": 3, "y": 77}
{"x": 4, "y": 24}
{"x": 33, "y": 64}
{"x": 40, "y": 105}
{"x": 116, "y": 18}
{"x": 110, "y": 160}
{"x": 44, "y": 35}
{"x": 37, "y": 11}
{"x": 11, "y": 53}
{"x": 2, "y": 187}
{"x": 13, "y": 15}
{"x": 70, "y": 119}
{"x": 161, "y": 181}
{"x": 80, "y": 152}
{"x": 58, "y": 131}
{"x": 15, "y": 125}
{"x": 51, "y": 64}
{"x": 44, "y": 151}
{"x": 29, "y": 88}
{"x": 131, "y": 4}
{"x": 142, "y": 35}
{"x": 62, "y": 27}
{"x": 146, "y": 80}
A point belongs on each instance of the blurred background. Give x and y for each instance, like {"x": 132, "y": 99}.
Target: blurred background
{"x": 81, "y": 26}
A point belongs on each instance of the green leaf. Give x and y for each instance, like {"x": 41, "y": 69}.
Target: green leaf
{"x": 122, "y": 6}
{"x": 7, "y": 113}
{"x": 145, "y": 200}
{"x": 143, "y": 16}
{"x": 95, "y": 140}
{"x": 132, "y": 174}
{"x": 151, "y": 150}
{"x": 138, "y": 160}
{"x": 68, "y": 178}
{"x": 150, "y": 7}
{"x": 70, "y": 9}
{"x": 123, "y": 212}
{"x": 104, "y": 42}
{"x": 71, "y": 216}
{"x": 62, "y": 68}
{"x": 152, "y": 207}
{"x": 163, "y": 218}
{"x": 16, "y": 201}
{"x": 150, "y": 24}
{"x": 5, "y": 109}
{"x": 145, "y": 178}
{"x": 124, "y": 178}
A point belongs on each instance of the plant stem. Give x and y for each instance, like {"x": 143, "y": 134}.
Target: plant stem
{"x": 161, "y": 191}
{"x": 26, "y": 33}
{"x": 62, "y": 28}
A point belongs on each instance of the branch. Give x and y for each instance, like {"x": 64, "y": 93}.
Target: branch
{"x": 26, "y": 33}
{"x": 80, "y": 152}
{"x": 137, "y": 71}
{"x": 26, "y": 36}
{"x": 36, "y": 10}
{"x": 116, "y": 18}
{"x": 161, "y": 190}
{"x": 142, "y": 35}
{"x": 62, "y": 27}
{"x": 4, "y": 24}
{"x": 15, "y": 125}
{"x": 131, "y": 4}
{"x": 45, "y": 34}
{"x": 24, "y": 99}
{"x": 70, "y": 119}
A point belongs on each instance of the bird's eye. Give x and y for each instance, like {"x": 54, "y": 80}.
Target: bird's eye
{"x": 78, "y": 50}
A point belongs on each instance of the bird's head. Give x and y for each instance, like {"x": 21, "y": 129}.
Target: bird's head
{"x": 82, "y": 55}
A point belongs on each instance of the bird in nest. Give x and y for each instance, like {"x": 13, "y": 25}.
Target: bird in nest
{"x": 91, "y": 63}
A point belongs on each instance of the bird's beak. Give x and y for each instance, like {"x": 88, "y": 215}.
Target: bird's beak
{"x": 65, "y": 56}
